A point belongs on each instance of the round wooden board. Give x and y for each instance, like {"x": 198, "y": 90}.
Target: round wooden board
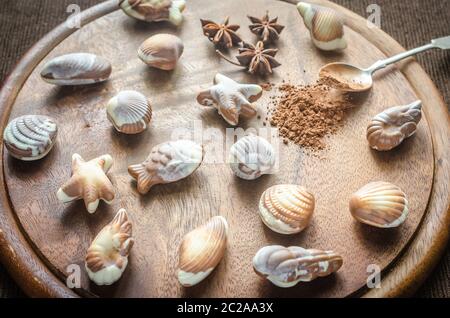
{"x": 39, "y": 237}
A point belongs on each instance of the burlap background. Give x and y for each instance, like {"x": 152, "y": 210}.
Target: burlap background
{"x": 411, "y": 22}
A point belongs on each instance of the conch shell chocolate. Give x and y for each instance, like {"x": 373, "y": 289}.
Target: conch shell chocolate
{"x": 107, "y": 257}
{"x": 389, "y": 128}
{"x": 287, "y": 266}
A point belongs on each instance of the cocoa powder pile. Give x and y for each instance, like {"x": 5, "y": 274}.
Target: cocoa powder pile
{"x": 306, "y": 114}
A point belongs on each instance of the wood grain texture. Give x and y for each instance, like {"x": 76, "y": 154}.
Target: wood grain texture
{"x": 61, "y": 234}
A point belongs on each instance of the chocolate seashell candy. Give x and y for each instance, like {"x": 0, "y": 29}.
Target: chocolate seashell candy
{"x": 129, "y": 111}
{"x": 30, "y": 137}
{"x": 76, "y": 69}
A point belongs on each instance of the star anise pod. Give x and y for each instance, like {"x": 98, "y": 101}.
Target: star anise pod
{"x": 223, "y": 34}
{"x": 255, "y": 58}
{"x": 268, "y": 30}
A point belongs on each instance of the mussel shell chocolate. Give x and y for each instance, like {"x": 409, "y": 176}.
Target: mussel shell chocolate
{"x": 30, "y": 137}
{"x": 76, "y": 69}
{"x": 130, "y": 112}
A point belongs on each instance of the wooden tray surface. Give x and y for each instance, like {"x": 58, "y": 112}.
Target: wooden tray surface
{"x": 50, "y": 236}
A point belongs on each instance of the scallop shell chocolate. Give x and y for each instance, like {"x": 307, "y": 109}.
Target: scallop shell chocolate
{"x": 161, "y": 51}
{"x": 107, "y": 257}
{"x": 287, "y": 266}
{"x": 286, "y": 208}
{"x": 251, "y": 157}
{"x": 325, "y": 25}
{"x": 76, "y": 69}
{"x": 168, "y": 162}
{"x": 129, "y": 112}
{"x": 389, "y": 128}
{"x": 30, "y": 137}
{"x": 155, "y": 10}
{"x": 201, "y": 251}
{"x": 380, "y": 204}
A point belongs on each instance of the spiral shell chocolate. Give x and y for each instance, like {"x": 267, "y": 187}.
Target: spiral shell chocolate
{"x": 161, "y": 51}
{"x": 287, "y": 266}
{"x": 325, "y": 25}
{"x": 380, "y": 204}
{"x": 30, "y": 137}
{"x": 130, "y": 112}
{"x": 286, "y": 208}
{"x": 168, "y": 162}
{"x": 389, "y": 128}
{"x": 76, "y": 69}
{"x": 107, "y": 257}
{"x": 154, "y": 10}
{"x": 251, "y": 157}
{"x": 201, "y": 251}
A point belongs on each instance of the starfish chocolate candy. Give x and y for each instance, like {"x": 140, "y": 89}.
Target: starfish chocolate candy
{"x": 231, "y": 99}
{"x": 88, "y": 182}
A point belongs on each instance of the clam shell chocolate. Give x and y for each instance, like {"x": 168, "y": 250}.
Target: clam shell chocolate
{"x": 201, "y": 251}
{"x": 76, "y": 69}
{"x": 168, "y": 162}
{"x": 129, "y": 112}
{"x": 107, "y": 257}
{"x": 286, "y": 208}
{"x": 154, "y": 10}
{"x": 287, "y": 266}
{"x": 251, "y": 157}
{"x": 161, "y": 51}
{"x": 30, "y": 137}
{"x": 325, "y": 25}
{"x": 389, "y": 128}
{"x": 380, "y": 204}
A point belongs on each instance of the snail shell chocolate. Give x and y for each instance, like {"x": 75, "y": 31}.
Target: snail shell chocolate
{"x": 168, "y": 162}
{"x": 287, "y": 266}
{"x": 130, "y": 112}
{"x": 107, "y": 257}
{"x": 325, "y": 25}
{"x": 389, "y": 128}
{"x": 201, "y": 251}
{"x": 154, "y": 10}
{"x": 380, "y": 204}
{"x": 286, "y": 208}
{"x": 30, "y": 137}
{"x": 76, "y": 69}
{"x": 251, "y": 157}
{"x": 161, "y": 51}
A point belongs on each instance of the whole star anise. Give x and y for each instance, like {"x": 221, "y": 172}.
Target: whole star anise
{"x": 255, "y": 58}
{"x": 268, "y": 30}
{"x": 223, "y": 34}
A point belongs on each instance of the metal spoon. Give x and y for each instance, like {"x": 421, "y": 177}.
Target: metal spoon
{"x": 350, "y": 78}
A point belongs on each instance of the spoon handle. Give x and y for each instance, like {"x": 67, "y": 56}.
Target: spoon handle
{"x": 442, "y": 43}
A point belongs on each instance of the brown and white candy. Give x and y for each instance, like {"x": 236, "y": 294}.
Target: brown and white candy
{"x": 76, "y": 69}
{"x": 287, "y": 266}
{"x": 130, "y": 112}
{"x": 107, "y": 257}
{"x": 201, "y": 251}
{"x": 161, "y": 51}
{"x": 154, "y": 10}
{"x": 30, "y": 137}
